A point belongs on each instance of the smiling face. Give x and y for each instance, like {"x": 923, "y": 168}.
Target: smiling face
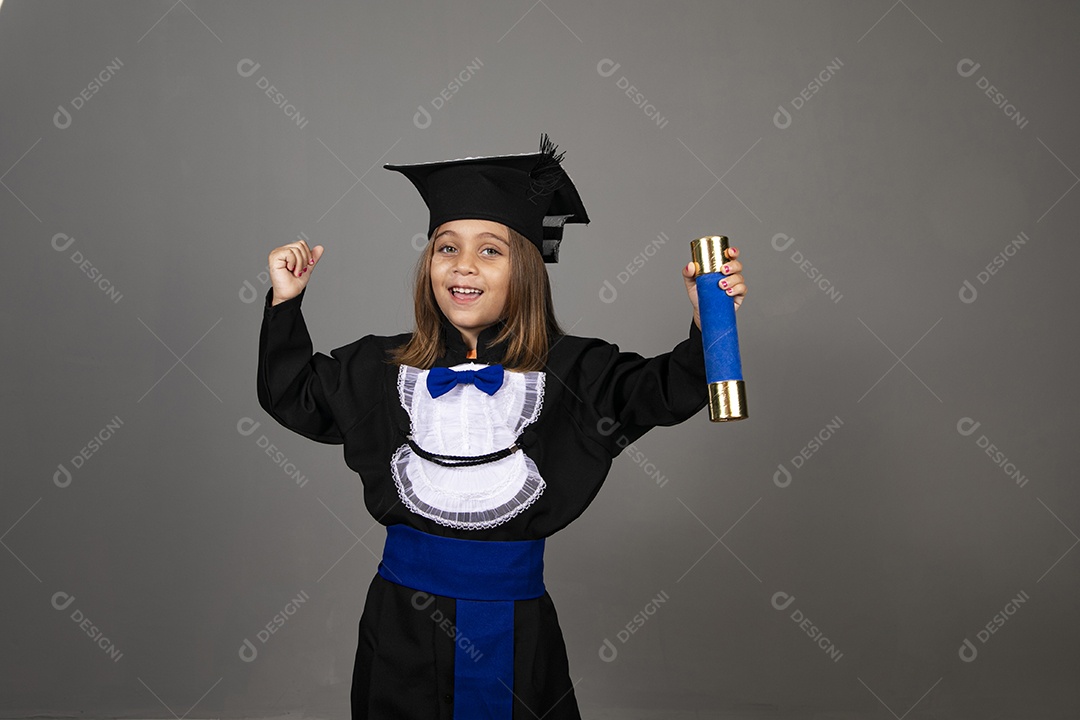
{"x": 470, "y": 274}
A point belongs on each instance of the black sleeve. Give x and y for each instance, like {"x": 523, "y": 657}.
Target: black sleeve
{"x": 625, "y": 394}
{"x": 296, "y": 387}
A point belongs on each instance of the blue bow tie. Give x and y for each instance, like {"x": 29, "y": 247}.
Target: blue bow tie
{"x": 442, "y": 380}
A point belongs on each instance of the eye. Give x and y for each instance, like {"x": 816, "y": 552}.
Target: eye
{"x": 492, "y": 249}
{"x": 444, "y": 247}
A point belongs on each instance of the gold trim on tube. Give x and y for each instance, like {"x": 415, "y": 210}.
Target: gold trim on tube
{"x": 727, "y": 401}
{"x": 708, "y": 253}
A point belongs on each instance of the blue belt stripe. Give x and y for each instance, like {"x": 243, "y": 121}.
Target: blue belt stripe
{"x": 484, "y": 577}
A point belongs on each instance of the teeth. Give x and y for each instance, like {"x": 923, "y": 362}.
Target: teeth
{"x": 470, "y": 291}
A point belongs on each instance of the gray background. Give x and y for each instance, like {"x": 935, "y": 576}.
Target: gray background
{"x": 899, "y": 180}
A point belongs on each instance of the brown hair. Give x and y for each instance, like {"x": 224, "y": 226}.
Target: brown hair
{"x": 529, "y": 315}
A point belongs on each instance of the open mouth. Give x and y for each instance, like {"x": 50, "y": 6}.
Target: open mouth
{"x": 465, "y": 295}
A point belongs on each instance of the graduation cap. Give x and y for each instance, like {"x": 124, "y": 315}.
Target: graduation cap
{"x": 529, "y": 192}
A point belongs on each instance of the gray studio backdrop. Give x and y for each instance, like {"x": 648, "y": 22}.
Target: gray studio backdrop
{"x": 891, "y": 533}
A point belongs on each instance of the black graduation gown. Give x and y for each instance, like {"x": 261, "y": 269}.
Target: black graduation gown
{"x": 597, "y": 400}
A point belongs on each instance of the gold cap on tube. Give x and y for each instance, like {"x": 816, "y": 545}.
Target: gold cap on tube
{"x": 727, "y": 401}
{"x": 708, "y": 253}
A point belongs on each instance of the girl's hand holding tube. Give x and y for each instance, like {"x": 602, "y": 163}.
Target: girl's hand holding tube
{"x": 732, "y": 282}
{"x": 289, "y": 269}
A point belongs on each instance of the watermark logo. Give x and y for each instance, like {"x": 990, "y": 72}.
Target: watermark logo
{"x": 967, "y": 427}
{"x": 422, "y": 601}
{"x": 968, "y": 67}
{"x": 968, "y": 650}
{"x": 782, "y": 242}
{"x": 419, "y": 242}
{"x": 608, "y": 292}
{"x": 63, "y": 476}
{"x": 62, "y": 600}
{"x": 968, "y": 292}
{"x": 607, "y": 426}
{"x": 782, "y": 118}
{"x": 608, "y": 650}
{"x": 248, "y": 651}
{"x": 422, "y": 118}
{"x": 638, "y": 458}
{"x": 607, "y": 68}
{"x": 61, "y": 242}
{"x": 782, "y": 601}
{"x": 782, "y": 476}
{"x": 247, "y": 427}
{"x": 63, "y": 118}
{"x": 248, "y": 67}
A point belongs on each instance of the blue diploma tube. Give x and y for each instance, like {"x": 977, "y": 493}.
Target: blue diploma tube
{"x": 719, "y": 334}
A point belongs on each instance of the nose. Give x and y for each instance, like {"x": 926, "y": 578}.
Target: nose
{"x": 464, "y": 263}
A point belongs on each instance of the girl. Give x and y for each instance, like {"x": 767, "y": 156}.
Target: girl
{"x": 476, "y": 436}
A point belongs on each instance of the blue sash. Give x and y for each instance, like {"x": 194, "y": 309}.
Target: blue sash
{"x": 484, "y": 577}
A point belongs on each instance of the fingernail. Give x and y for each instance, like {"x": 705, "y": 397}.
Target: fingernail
{"x": 725, "y": 268}
{"x": 723, "y": 283}
{"x": 311, "y": 261}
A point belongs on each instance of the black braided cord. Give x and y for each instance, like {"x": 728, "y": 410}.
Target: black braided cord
{"x": 461, "y": 460}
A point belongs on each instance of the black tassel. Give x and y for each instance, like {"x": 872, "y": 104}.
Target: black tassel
{"x": 546, "y": 176}
{"x": 548, "y": 148}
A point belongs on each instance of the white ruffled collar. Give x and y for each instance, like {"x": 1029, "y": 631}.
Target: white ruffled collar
{"x": 467, "y": 421}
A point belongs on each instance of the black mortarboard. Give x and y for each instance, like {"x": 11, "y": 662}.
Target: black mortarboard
{"x": 530, "y": 193}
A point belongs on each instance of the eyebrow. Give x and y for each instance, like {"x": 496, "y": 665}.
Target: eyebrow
{"x": 483, "y": 234}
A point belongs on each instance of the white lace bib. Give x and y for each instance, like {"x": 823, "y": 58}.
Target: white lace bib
{"x": 468, "y": 421}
